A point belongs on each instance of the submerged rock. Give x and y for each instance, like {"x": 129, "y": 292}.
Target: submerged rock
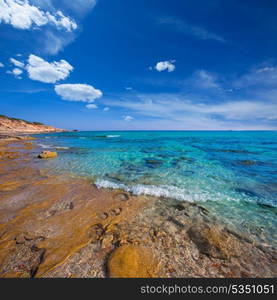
{"x": 153, "y": 163}
{"x": 233, "y": 151}
{"x": 265, "y": 205}
{"x": 187, "y": 159}
{"x": 214, "y": 242}
{"x": 47, "y": 154}
{"x": 121, "y": 197}
{"x": 246, "y": 162}
{"x": 246, "y": 192}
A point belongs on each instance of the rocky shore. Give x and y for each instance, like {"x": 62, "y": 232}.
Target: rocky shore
{"x": 63, "y": 226}
{"x": 13, "y": 126}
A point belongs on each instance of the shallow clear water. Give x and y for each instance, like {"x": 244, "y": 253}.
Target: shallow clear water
{"x": 234, "y": 174}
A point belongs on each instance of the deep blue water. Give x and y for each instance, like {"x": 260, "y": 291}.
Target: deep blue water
{"x": 234, "y": 174}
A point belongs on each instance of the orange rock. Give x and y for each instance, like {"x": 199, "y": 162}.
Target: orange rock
{"x": 10, "y": 186}
{"x": 48, "y": 154}
{"x": 131, "y": 261}
{"x": 16, "y": 275}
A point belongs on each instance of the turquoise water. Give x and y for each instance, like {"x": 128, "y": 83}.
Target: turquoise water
{"x": 233, "y": 174}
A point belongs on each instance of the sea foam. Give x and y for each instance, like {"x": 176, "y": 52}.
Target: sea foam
{"x": 113, "y": 136}
{"x": 165, "y": 191}
{"x": 52, "y": 147}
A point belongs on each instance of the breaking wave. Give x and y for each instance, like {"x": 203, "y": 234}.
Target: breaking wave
{"x": 52, "y": 147}
{"x": 165, "y": 191}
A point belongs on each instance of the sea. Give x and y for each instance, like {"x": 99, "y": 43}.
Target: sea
{"x": 233, "y": 174}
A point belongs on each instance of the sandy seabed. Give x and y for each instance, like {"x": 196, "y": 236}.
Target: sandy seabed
{"x": 63, "y": 226}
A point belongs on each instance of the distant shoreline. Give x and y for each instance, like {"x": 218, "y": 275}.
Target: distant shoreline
{"x": 150, "y": 130}
{"x": 11, "y": 126}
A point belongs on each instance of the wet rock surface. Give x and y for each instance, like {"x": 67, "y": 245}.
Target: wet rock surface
{"x": 214, "y": 242}
{"x": 48, "y": 154}
{"x": 60, "y": 226}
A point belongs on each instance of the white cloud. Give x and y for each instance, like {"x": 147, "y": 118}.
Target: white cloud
{"x": 61, "y": 21}
{"x": 91, "y": 106}
{"x": 208, "y": 102}
{"x": 78, "y": 92}
{"x": 165, "y": 65}
{"x": 231, "y": 114}
{"x": 80, "y": 7}
{"x": 265, "y": 69}
{"x": 128, "y": 118}
{"x": 16, "y": 72}
{"x": 207, "y": 80}
{"x": 52, "y": 42}
{"x": 262, "y": 77}
{"x": 128, "y": 88}
{"x": 1, "y": 65}
{"x": 76, "y": 7}
{"x": 41, "y": 70}
{"x": 106, "y": 109}
{"x": 17, "y": 63}
{"x": 22, "y": 15}
{"x": 48, "y": 17}
{"x": 196, "y": 31}
{"x": 202, "y": 79}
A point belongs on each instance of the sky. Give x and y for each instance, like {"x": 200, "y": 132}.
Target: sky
{"x": 140, "y": 64}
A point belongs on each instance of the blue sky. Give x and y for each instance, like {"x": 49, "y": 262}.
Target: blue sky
{"x": 140, "y": 65}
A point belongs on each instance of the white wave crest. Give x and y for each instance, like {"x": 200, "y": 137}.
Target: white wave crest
{"x": 151, "y": 190}
{"x": 45, "y": 146}
{"x": 113, "y": 136}
{"x": 61, "y": 148}
{"x": 110, "y": 185}
{"x": 52, "y": 147}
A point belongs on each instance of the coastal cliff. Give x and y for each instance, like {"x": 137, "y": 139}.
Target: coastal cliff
{"x": 13, "y": 125}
